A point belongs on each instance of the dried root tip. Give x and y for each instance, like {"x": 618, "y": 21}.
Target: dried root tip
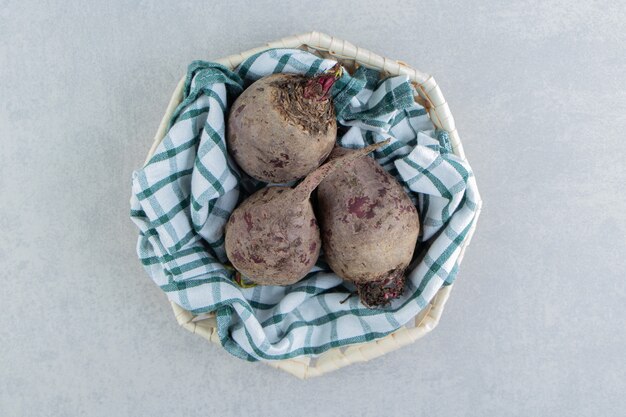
{"x": 380, "y": 293}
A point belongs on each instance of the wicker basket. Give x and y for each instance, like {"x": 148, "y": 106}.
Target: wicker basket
{"x": 431, "y": 98}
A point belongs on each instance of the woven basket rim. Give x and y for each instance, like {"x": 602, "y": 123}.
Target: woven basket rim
{"x": 431, "y": 97}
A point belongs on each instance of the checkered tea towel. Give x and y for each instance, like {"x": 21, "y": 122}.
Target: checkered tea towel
{"x": 182, "y": 198}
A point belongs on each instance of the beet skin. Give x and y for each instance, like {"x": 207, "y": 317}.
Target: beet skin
{"x": 369, "y": 228}
{"x": 283, "y": 126}
{"x": 272, "y": 237}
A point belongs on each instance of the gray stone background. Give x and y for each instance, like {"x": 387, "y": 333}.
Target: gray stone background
{"x": 535, "y": 325}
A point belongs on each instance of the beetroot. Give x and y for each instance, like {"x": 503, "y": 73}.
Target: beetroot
{"x": 369, "y": 228}
{"x": 273, "y": 237}
{"x": 283, "y": 126}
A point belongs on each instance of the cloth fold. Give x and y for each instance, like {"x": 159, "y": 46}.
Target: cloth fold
{"x": 182, "y": 198}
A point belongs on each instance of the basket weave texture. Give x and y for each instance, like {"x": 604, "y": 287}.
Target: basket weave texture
{"x": 431, "y": 97}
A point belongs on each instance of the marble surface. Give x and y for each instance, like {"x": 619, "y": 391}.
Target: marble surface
{"x": 535, "y": 324}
